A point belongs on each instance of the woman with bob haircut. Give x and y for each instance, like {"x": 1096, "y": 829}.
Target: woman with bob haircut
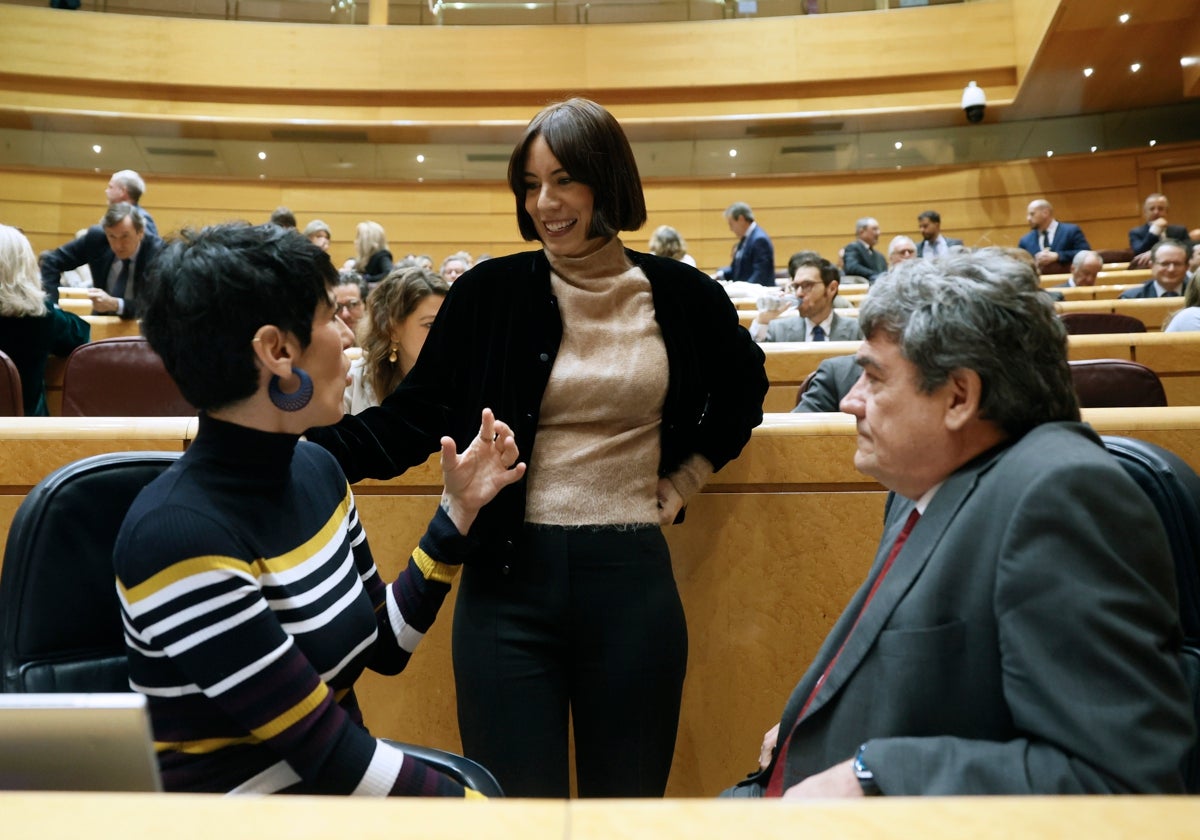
{"x": 399, "y": 313}
{"x": 30, "y": 329}
{"x": 628, "y": 381}
{"x": 250, "y": 597}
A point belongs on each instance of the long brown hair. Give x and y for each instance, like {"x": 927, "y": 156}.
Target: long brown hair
{"x": 393, "y": 300}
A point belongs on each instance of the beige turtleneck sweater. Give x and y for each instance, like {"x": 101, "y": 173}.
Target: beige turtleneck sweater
{"x": 598, "y": 447}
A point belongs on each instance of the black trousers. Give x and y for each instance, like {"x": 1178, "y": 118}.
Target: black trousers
{"x": 588, "y": 627}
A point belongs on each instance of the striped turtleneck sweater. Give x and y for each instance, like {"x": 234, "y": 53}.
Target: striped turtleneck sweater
{"x": 251, "y": 604}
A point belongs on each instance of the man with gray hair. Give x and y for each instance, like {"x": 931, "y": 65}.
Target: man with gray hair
{"x": 860, "y": 257}
{"x": 754, "y": 254}
{"x": 901, "y": 248}
{"x": 119, "y": 252}
{"x": 1085, "y": 268}
{"x": 127, "y": 186}
{"x": 1018, "y": 631}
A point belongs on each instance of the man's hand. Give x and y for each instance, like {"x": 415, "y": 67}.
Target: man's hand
{"x": 770, "y": 739}
{"x": 1142, "y": 260}
{"x": 103, "y": 303}
{"x": 838, "y": 781}
{"x": 1045, "y": 258}
{"x": 474, "y": 478}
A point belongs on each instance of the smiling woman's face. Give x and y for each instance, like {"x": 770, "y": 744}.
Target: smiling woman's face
{"x": 560, "y": 206}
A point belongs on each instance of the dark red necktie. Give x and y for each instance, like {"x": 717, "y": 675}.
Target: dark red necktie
{"x": 775, "y": 784}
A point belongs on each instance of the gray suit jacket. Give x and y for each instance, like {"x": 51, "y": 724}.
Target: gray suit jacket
{"x": 1017, "y": 645}
{"x": 833, "y": 379}
{"x": 793, "y": 329}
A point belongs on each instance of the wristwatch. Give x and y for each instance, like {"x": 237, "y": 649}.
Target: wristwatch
{"x": 866, "y": 779}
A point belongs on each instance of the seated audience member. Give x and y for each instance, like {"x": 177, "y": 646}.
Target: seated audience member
{"x": 30, "y": 329}
{"x": 1188, "y": 318}
{"x": 1168, "y": 272}
{"x": 901, "y": 248}
{"x": 1050, "y": 241}
{"x": 250, "y": 597}
{"x": 1001, "y": 644}
{"x": 127, "y": 186}
{"x": 667, "y": 242}
{"x": 399, "y": 313}
{"x": 860, "y": 257}
{"x": 319, "y": 234}
{"x": 933, "y": 243}
{"x": 283, "y": 217}
{"x": 349, "y": 298}
{"x": 1156, "y": 228}
{"x": 832, "y": 380}
{"x": 422, "y": 260}
{"x": 1085, "y": 267}
{"x": 119, "y": 252}
{"x": 455, "y": 265}
{"x": 815, "y": 286}
{"x": 372, "y": 259}
{"x": 754, "y": 254}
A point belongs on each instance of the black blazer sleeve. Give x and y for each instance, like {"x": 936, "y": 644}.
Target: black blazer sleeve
{"x": 79, "y": 251}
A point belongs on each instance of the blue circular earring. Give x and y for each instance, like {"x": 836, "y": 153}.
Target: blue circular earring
{"x": 297, "y": 399}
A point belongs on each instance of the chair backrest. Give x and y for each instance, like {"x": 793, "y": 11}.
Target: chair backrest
{"x": 1191, "y": 762}
{"x": 12, "y": 400}
{"x": 60, "y": 620}
{"x": 120, "y": 377}
{"x": 1116, "y": 383}
{"x": 1093, "y": 323}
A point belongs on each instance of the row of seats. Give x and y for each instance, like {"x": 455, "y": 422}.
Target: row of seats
{"x": 113, "y": 377}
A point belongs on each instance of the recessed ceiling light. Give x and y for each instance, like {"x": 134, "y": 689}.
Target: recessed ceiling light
{"x": 262, "y": 155}
{"x": 97, "y": 148}
{"x": 899, "y": 145}
{"x": 1153, "y": 142}
{"x": 733, "y": 152}
{"x": 1189, "y": 61}
{"x": 420, "y": 158}
{"x": 1133, "y": 68}
{"x": 1123, "y": 18}
{"x": 1049, "y": 153}
{"x": 732, "y": 174}
{"x": 1087, "y": 72}
{"x": 1094, "y": 148}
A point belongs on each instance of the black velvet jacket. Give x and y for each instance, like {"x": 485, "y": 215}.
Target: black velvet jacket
{"x": 493, "y": 345}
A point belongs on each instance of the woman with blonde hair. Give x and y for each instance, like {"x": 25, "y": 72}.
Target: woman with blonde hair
{"x": 400, "y": 311}
{"x": 372, "y": 258}
{"x": 31, "y": 330}
{"x": 666, "y": 242}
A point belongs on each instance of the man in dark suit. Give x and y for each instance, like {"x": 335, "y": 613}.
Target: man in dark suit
{"x": 1052, "y": 243}
{"x": 1168, "y": 272}
{"x": 1148, "y": 234}
{"x": 860, "y": 257}
{"x": 754, "y": 254}
{"x": 933, "y": 243}
{"x": 119, "y": 252}
{"x": 1018, "y": 630}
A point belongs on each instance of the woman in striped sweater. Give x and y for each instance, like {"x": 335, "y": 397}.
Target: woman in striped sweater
{"x": 250, "y": 597}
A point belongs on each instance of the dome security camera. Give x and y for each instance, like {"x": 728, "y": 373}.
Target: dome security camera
{"x": 974, "y": 102}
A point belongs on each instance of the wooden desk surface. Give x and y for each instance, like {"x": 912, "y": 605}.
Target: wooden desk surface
{"x": 197, "y": 817}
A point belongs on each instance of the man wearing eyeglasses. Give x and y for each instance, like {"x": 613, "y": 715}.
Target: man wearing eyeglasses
{"x": 1168, "y": 272}
{"x": 350, "y": 293}
{"x": 815, "y": 286}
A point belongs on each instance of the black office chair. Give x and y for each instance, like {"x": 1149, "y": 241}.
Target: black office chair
{"x": 1174, "y": 489}
{"x": 60, "y": 621}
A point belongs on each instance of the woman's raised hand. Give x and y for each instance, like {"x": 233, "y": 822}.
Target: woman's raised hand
{"x": 474, "y": 478}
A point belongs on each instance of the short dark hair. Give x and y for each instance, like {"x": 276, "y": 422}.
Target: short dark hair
{"x": 802, "y": 258}
{"x": 983, "y": 311}
{"x": 116, "y": 213}
{"x": 211, "y": 290}
{"x": 932, "y": 215}
{"x": 591, "y": 145}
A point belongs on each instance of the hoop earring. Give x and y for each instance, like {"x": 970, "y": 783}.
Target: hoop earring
{"x": 392, "y": 355}
{"x": 297, "y": 399}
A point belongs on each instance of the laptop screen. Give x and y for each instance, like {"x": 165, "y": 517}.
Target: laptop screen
{"x": 76, "y": 742}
